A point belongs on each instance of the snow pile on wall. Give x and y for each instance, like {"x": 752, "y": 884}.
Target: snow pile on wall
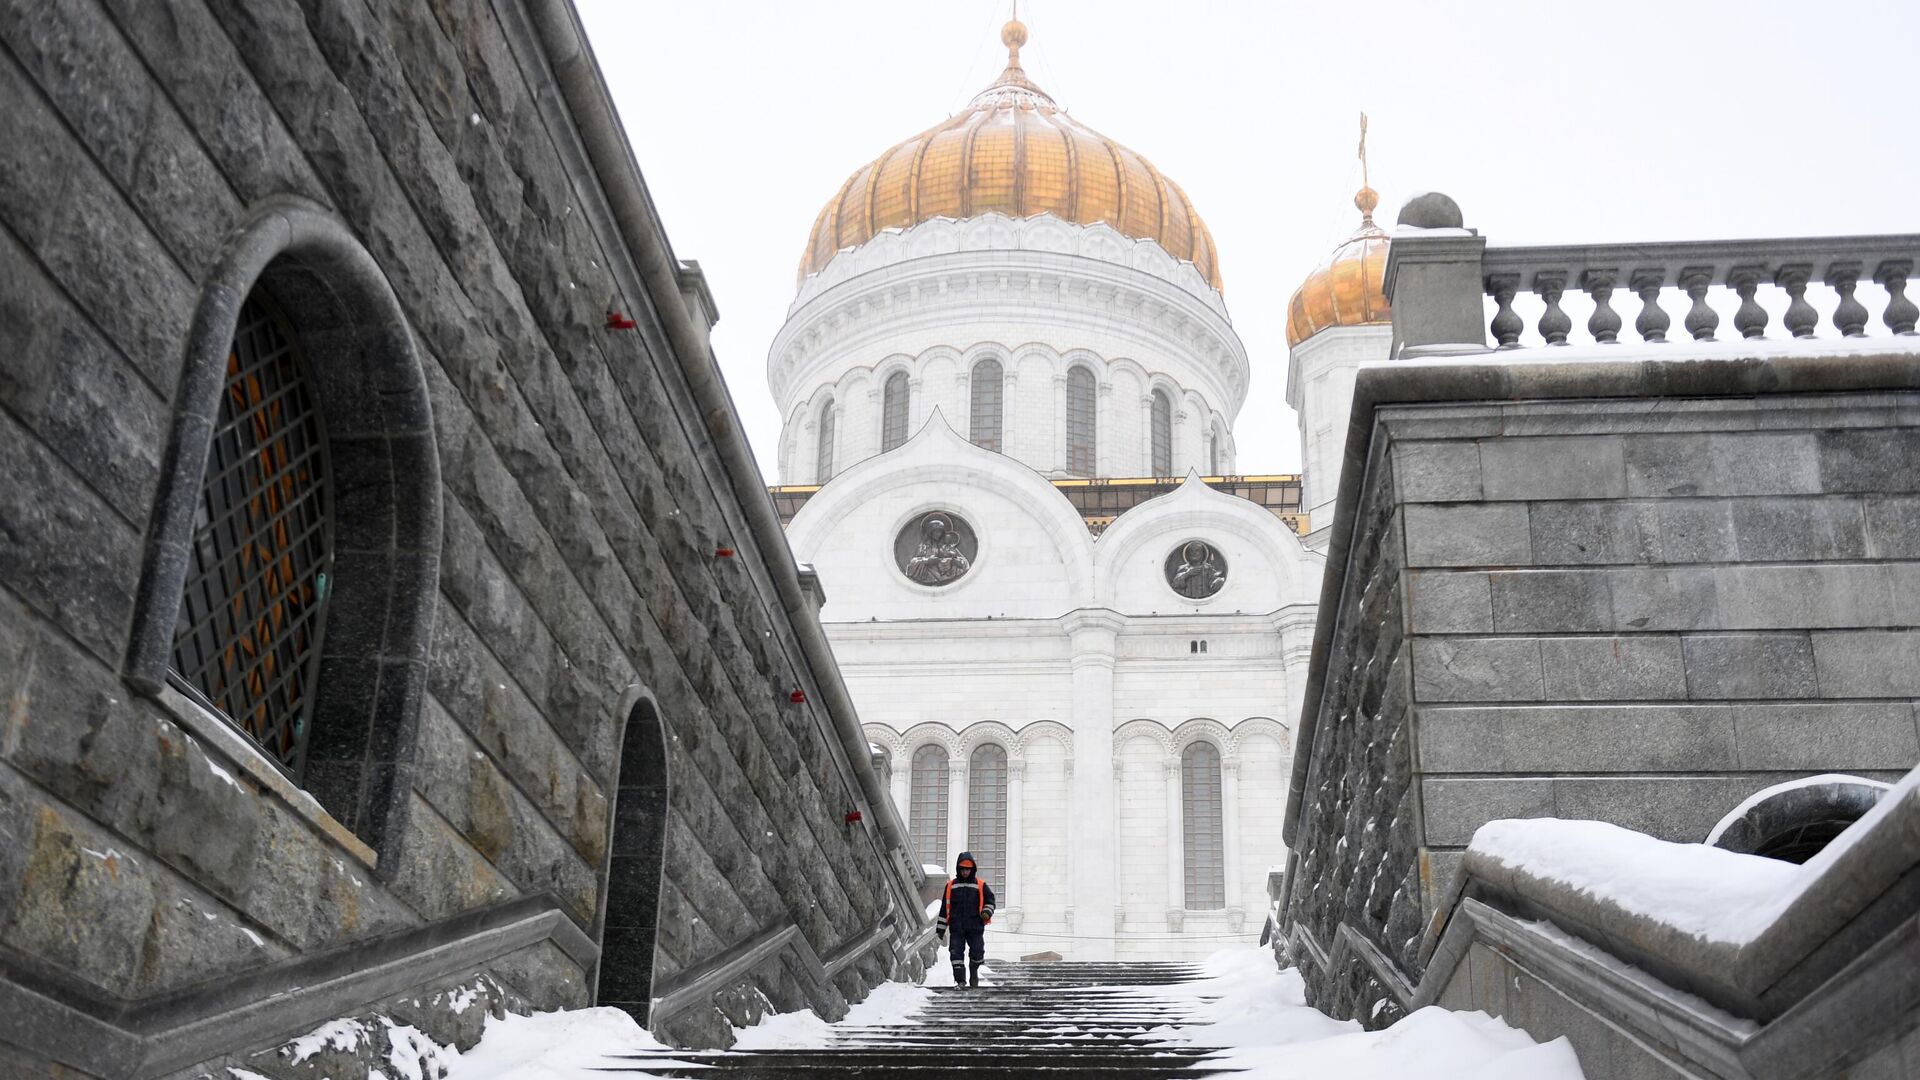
{"x": 1716, "y": 895}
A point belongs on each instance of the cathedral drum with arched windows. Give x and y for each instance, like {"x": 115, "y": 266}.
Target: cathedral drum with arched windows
{"x": 1076, "y": 643}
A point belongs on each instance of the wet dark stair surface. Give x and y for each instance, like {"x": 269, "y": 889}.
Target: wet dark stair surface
{"x": 1062, "y": 1021}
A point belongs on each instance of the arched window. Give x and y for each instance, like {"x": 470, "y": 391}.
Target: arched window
{"x": 823, "y": 467}
{"x": 1162, "y": 434}
{"x": 255, "y": 601}
{"x": 927, "y": 812}
{"x": 1213, "y": 453}
{"x": 1200, "y": 820}
{"x": 893, "y": 412}
{"x": 294, "y": 545}
{"x": 987, "y": 810}
{"x": 984, "y": 417}
{"x": 1080, "y": 422}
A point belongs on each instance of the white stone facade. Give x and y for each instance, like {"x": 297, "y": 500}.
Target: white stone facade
{"x": 1147, "y": 736}
{"x": 1075, "y": 656}
{"x": 1039, "y": 295}
{"x": 1320, "y": 389}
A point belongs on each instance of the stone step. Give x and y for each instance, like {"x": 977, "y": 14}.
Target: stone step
{"x": 941, "y": 1065}
{"x": 1060, "y": 1021}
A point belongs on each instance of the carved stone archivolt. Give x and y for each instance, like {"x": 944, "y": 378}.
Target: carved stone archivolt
{"x": 1196, "y": 570}
{"x": 936, "y": 548}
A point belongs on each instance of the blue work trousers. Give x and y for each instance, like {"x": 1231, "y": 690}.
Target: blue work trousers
{"x": 960, "y": 941}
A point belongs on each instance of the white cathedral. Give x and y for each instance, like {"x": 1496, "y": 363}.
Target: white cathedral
{"x": 1008, "y": 347}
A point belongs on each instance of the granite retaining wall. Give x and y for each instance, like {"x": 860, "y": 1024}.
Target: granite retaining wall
{"x": 1585, "y": 601}
{"x": 580, "y": 508}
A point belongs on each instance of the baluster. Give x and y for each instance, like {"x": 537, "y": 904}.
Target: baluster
{"x": 1701, "y": 320}
{"x": 1751, "y": 319}
{"x": 1506, "y": 322}
{"x": 1653, "y": 321}
{"x": 1901, "y": 313}
{"x": 1850, "y": 317}
{"x": 1554, "y": 323}
{"x": 1801, "y": 318}
{"x": 1604, "y": 323}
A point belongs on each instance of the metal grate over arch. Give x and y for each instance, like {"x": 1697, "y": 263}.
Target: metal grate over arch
{"x": 986, "y": 413}
{"x": 1082, "y": 458}
{"x": 823, "y": 460}
{"x": 893, "y": 411}
{"x": 252, "y": 611}
{"x": 987, "y": 810}
{"x": 1162, "y": 434}
{"x": 1203, "y": 840}
{"x": 927, "y": 798}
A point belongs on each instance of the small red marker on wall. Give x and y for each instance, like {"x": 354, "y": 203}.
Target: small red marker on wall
{"x": 617, "y": 321}
{"x": 798, "y": 697}
{"x": 853, "y": 816}
{"x": 723, "y": 553}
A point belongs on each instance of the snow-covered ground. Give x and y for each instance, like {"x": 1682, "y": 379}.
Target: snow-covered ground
{"x": 1259, "y": 1014}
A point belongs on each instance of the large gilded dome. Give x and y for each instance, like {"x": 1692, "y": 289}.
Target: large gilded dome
{"x": 1348, "y": 288}
{"x": 1012, "y": 151}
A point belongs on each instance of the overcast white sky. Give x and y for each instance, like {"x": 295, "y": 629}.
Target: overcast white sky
{"x": 1547, "y": 122}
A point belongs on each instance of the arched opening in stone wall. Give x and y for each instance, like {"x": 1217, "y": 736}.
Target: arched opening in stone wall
{"x": 1793, "y": 821}
{"x": 229, "y": 565}
{"x": 636, "y": 855}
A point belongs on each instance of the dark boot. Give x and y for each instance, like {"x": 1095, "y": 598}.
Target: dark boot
{"x": 973, "y": 975}
{"x": 960, "y": 975}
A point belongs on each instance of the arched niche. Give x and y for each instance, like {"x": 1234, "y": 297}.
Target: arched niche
{"x": 630, "y": 912}
{"x": 383, "y": 470}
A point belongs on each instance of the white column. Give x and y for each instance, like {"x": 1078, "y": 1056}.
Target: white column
{"x": 1176, "y": 854}
{"x": 1146, "y": 434}
{"x": 1106, "y": 444}
{"x": 1066, "y": 916}
{"x": 1182, "y": 456}
{"x": 1012, "y": 411}
{"x": 1230, "y": 835}
{"x": 1295, "y": 627}
{"x": 1089, "y": 834}
{"x": 917, "y": 409}
{"x": 901, "y": 785}
{"x": 1015, "y": 900}
{"x": 960, "y": 418}
{"x": 956, "y": 809}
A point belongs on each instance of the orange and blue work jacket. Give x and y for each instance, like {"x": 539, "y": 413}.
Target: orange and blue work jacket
{"x": 966, "y": 905}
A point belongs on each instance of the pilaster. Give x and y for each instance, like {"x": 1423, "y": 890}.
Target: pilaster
{"x": 1090, "y": 834}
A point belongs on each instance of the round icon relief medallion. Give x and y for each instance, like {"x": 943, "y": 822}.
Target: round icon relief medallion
{"x": 936, "y": 548}
{"x": 1196, "y": 569}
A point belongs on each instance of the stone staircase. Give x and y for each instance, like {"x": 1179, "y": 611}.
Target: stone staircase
{"x": 1059, "y": 1020}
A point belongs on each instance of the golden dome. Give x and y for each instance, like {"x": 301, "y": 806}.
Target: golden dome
{"x": 1012, "y": 151}
{"x": 1348, "y": 288}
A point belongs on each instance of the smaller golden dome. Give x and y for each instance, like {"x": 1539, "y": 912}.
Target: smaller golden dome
{"x": 1348, "y": 288}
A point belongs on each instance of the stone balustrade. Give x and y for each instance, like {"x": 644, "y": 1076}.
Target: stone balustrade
{"x": 1440, "y": 276}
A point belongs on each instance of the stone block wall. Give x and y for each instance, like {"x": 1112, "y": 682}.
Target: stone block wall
{"x": 1633, "y": 610}
{"x": 580, "y": 509}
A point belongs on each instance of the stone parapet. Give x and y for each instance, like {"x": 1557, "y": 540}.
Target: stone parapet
{"x": 1632, "y": 587}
